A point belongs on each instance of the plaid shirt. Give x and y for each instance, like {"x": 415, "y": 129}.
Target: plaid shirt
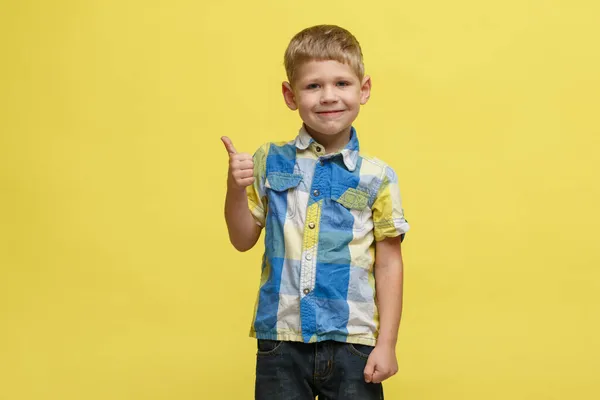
{"x": 322, "y": 214}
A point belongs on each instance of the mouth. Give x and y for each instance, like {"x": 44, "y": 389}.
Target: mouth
{"x": 332, "y": 113}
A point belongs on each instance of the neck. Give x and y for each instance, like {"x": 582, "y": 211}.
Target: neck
{"x": 331, "y": 143}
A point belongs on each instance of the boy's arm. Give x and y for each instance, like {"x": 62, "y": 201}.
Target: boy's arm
{"x": 389, "y": 229}
{"x": 243, "y": 229}
{"x": 382, "y": 362}
{"x": 388, "y": 284}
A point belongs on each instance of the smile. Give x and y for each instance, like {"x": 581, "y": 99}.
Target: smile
{"x": 330, "y": 113}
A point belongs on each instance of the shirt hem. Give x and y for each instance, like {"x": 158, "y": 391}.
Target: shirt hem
{"x": 297, "y": 337}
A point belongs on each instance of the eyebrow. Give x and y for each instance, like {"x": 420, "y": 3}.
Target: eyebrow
{"x": 337, "y": 78}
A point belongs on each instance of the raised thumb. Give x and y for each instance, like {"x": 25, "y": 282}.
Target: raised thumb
{"x": 228, "y": 145}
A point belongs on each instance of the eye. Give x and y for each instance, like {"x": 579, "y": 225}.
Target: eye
{"x": 312, "y": 86}
{"x": 343, "y": 83}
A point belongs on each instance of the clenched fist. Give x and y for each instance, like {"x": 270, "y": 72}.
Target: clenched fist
{"x": 241, "y": 167}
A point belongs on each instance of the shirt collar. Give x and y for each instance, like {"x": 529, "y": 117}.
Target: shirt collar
{"x": 349, "y": 153}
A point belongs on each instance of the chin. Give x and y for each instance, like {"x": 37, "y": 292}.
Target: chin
{"x": 329, "y": 130}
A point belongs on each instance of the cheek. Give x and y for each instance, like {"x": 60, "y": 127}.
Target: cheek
{"x": 305, "y": 103}
{"x": 353, "y": 98}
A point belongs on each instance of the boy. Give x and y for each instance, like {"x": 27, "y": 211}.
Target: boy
{"x": 334, "y": 224}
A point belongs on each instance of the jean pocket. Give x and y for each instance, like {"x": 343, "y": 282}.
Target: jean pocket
{"x": 361, "y": 350}
{"x": 268, "y": 347}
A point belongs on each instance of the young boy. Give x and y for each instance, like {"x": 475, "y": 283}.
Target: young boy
{"x": 330, "y": 297}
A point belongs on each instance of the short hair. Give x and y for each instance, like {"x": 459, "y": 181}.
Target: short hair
{"x": 322, "y": 43}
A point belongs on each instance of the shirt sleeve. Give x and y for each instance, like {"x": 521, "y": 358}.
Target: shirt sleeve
{"x": 257, "y": 201}
{"x": 388, "y": 214}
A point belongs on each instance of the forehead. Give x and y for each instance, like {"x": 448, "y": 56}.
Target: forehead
{"x": 324, "y": 69}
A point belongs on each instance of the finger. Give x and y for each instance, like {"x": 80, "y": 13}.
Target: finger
{"x": 245, "y": 164}
{"x": 243, "y": 173}
{"x": 228, "y": 145}
{"x": 368, "y": 372}
{"x": 379, "y": 377}
{"x": 241, "y": 156}
{"x": 246, "y": 181}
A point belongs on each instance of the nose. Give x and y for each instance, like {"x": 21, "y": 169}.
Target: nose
{"x": 328, "y": 95}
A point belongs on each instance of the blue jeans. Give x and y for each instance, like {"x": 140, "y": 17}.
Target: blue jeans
{"x": 302, "y": 371}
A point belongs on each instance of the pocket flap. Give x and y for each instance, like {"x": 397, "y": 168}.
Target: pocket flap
{"x": 350, "y": 197}
{"x": 280, "y": 181}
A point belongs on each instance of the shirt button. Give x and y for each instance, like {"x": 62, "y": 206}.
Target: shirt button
{"x": 306, "y": 291}
{"x": 311, "y": 225}
{"x": 308, "y": 257}
{"x": 316, "y": 193}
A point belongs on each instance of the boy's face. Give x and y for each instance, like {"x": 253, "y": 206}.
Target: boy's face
{"x": 328, "y": 95}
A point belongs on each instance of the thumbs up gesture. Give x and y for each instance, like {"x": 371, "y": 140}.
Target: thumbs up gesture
{"x": 241, "y": 167}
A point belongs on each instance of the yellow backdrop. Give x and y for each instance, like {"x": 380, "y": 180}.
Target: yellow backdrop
{"x": 117, "y": 280}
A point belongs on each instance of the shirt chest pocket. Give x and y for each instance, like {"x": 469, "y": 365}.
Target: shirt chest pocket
{"x": 282, "y": 194}
{"x": 351, "y": 207}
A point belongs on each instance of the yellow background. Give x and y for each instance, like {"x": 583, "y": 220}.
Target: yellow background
{"x": 117, "y": 280}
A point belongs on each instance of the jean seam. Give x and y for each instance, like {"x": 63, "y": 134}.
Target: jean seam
{"x": 354, "y": 350}
{"x": 271, "y": 352}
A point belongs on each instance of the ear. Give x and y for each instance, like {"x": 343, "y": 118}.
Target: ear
{"x": 288, "y": 96}
{"x": 365, "y": 90}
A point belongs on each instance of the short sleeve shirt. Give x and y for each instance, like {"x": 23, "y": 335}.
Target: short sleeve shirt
{"x": 322, "y": 215}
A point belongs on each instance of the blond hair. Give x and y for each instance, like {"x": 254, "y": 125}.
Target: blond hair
{"x": 322, "y": 43}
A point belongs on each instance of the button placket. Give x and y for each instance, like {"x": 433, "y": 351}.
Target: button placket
{"x": 307, "y": 272}
{"x": 309, "y": 250}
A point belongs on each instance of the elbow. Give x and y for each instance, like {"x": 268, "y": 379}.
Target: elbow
{"x": 243, "y": 242}
{"x": 241, "y": 248}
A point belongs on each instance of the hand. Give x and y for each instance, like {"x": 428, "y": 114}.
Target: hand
{"x": 381, "y": 364}
{"x": 241, "y": 167}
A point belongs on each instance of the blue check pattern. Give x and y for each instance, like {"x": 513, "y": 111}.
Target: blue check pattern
{"x": 322, "y": 215}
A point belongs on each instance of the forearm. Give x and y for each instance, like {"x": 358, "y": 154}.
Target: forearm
{"x": 388, "y": 283}
{"x": 242, "y": 227}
